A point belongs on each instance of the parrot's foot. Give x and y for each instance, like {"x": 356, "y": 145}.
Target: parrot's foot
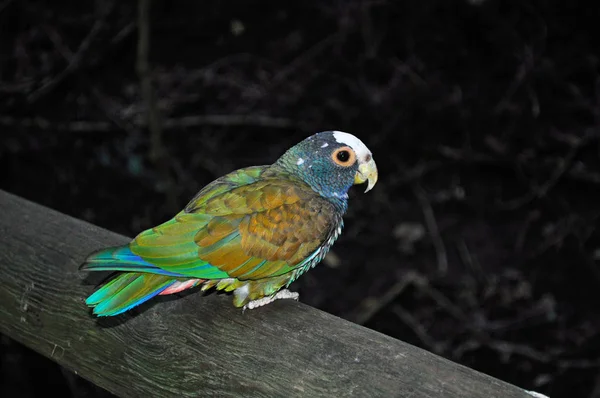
{"x": 282, "y": 294}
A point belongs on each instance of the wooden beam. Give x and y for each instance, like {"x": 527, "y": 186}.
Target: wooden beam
{"x": 199, "y": 345}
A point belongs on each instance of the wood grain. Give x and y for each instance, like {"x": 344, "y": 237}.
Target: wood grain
{"x": 199, "y": 346}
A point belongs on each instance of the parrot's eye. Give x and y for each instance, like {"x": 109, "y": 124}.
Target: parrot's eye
{"x": 344, "y": 156}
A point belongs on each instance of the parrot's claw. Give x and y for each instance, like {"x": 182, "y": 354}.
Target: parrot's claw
{"x": 282, "y": 294}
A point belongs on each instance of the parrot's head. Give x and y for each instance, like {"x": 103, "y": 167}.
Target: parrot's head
{"x": 331, "y": 162}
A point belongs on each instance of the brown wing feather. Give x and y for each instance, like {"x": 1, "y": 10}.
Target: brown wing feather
{"x": 272, "y": 227}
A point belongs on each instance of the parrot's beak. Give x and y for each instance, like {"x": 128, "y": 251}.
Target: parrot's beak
{"x": 367, "y": 171}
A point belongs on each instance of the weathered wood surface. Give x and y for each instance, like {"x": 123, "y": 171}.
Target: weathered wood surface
{"x": 199, "y": 346}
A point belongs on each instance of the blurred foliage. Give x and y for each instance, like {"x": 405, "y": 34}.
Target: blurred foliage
{"x": 479, "y": 243}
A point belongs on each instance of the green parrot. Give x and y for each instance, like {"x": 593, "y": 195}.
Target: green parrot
{"x": 253, "y": 231}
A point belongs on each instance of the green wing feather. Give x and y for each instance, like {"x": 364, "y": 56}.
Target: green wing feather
{"x": 250, "y": 224}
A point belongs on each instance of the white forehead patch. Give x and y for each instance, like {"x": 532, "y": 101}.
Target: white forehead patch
{"x": 348, "y": 139}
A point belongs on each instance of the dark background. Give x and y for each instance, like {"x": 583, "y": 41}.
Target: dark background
{"x": 479, "y": 242}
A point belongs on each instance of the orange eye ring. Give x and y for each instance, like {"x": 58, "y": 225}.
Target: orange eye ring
{"x": 344, "y": 156}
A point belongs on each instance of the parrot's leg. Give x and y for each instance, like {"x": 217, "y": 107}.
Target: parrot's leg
{"x": 282, "y": 294}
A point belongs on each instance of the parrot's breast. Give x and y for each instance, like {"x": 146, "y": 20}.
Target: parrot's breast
{"x": 319, "y": 254}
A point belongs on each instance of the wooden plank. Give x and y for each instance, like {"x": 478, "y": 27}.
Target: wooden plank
{"x": 199, "y": 345}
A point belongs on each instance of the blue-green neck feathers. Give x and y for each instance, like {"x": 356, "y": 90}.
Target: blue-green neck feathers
{"x": 311, "y": 161}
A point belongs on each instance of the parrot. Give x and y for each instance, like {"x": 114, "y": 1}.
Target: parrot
{"x": 251, "y": 232}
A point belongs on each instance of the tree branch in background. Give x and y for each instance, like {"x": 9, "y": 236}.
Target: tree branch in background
{"x": 74, "y": 60}
{"x": 174, "y": 124}
{"x": 434, "y": 232}
{"x": 157, "y": 150}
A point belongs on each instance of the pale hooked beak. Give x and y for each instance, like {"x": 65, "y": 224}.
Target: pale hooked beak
{"x": 367, "y": 171}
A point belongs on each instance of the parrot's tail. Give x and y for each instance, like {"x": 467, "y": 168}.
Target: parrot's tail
{"x": 139, "y": 282}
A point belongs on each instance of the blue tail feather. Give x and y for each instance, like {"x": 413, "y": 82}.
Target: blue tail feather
{"x": 139, "y": 281}
{"x": 121, "y": 258}
{"x": 107, "y": 307}
{"x": 100, "y": 312}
